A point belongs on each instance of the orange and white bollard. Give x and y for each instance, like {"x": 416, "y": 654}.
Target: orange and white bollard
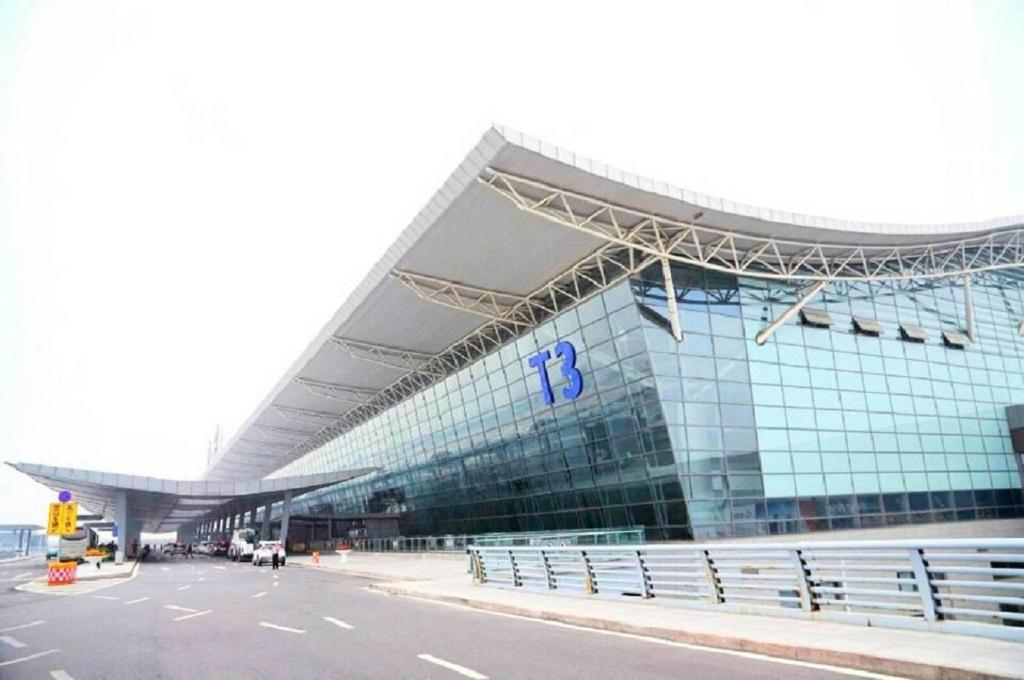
{"x": 61, "y": 573}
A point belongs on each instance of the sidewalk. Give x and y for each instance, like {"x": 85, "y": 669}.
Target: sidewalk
{"x": 912, "y": 654}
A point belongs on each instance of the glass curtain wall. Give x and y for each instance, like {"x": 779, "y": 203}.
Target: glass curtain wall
{"x": 824, "y": 428}
{"x": 482, "y": 452}
{"x": 821, "y": 428}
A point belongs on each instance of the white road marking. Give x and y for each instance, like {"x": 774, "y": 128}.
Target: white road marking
{"x": 7, "y": 639}
{"x": 260, "y": 594}
{"x": 217, "y": 566}
{"x": 284, "y": 628}
{"x": 106, "y": 597}
{"x": 275, "y": 576}
{"x": 24, "y": 625}
{"x": 179, "y": 609}
{"x": 275, "y": 584}
{"x": 670, "y": 643}
{"x": 18, "y": 577}
{"x": 60, "y": 675}
{"x": 338, "y": 623}
{"x": 201, "y": 579}
{"x": 185, "y": 587}
{"x": 192, "y": 616}
{"x": 27, "y": 658}
{"x": 461, "y": 670}
{"x": 136, "y": 601}
{"x": 165, "y": 568}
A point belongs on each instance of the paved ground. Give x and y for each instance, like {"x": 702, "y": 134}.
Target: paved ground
{"x": 212, "y": 618}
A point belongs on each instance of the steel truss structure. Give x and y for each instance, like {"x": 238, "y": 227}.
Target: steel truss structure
{"x": 633, "y": 240}
{"x": 752, "y": 255}
{"x": 509, "y": 316}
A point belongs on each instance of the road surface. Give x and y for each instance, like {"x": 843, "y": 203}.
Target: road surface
{"x": 206, "y": 618}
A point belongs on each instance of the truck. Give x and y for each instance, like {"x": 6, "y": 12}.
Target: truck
{"x": 242, "y": 544}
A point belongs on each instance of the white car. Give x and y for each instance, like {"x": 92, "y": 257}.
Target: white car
{"x": 242, "y": 545}
{"x": 264, "y": 552}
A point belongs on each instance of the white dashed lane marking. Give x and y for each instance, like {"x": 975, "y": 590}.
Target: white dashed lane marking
{"x": 461, "y": 670}
{"x": 105, "y": 597}
{"x": 284, "y": 628}
{"x": 220, "y": 567}
{"x": 185, "y": 587}
{"x": 136, "y": 601}
{"x": 260, "y": 594}
{"x": 193, "y": 615}
{"x": 23, "y": 625}
{"x": 179, "y": 609}
{"x": 28, "y": 658}
{"x": 60, "y": 675}
{"x": 8, "y": 640}
{"x": 338, "y": 623}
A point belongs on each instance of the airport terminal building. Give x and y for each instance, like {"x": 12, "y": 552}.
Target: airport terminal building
{"x": 554, "y": 344}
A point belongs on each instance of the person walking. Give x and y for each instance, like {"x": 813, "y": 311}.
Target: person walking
{"x": 188, "y": 552}
{"x": 275, "y": 555}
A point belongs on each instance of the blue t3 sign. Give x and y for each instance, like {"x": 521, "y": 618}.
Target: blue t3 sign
{"x": 567, "y": 352}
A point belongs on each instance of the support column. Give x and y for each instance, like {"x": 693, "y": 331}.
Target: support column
{"x": 765, "y": 333}
{"x": 670, "y": 298}
{"x": 286, "y": 512}
{"x": 231, "y": 524}
{"x": 968, "y": 308}
{"x": 252, "y": 517}
{"x": 121, "y": 522}
{"x": 21, "y": 533}
{"x": 265, "y": 527}
{"x": 28, "y": 543}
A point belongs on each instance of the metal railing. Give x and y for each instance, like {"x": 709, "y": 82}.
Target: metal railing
{"x": 963, "y": 585}
{"x": 460, "y": 543}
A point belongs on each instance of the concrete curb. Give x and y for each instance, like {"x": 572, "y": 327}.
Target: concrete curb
{"x": 103, "y": 577}
{"x": 832, "y": 657}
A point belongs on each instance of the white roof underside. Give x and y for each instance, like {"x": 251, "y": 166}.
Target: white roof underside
{"x": 166, "y": 504}
{"x": 470, "y": 234}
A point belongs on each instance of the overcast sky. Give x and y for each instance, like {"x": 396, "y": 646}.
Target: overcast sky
{"x": 189, "y": 190}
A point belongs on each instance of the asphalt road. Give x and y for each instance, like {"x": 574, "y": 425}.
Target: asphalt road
{"x": 206, "y": 618}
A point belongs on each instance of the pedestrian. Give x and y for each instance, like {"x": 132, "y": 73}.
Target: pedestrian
{"x": 188, "y": 552}
{"x": 275, "y": 555}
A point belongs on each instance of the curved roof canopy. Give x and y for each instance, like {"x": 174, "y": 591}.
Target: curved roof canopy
{"x": 444, "y": 294}
{"x": 165, "y": 504}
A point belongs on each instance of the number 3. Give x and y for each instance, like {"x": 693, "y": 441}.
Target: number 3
{"x": 565, "y": 350}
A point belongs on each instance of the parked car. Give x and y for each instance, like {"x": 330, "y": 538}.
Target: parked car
{"x": 264, "y": 552}
{"x": 204, "y": 548}
{"x": 175, "y": 549}
{"x": 220, "y": 546}
{"x": 242, "y": 545}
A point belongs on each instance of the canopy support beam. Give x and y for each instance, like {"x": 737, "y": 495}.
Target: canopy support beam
{"x": 765, "y": 333}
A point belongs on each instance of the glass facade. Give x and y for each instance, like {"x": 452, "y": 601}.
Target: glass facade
{"x": 715, "y": 436}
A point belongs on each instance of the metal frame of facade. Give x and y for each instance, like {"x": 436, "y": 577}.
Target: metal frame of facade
{"x": 633, "y": 240}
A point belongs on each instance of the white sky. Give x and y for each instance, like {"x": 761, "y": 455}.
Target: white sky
{"x": 188, "y": 191}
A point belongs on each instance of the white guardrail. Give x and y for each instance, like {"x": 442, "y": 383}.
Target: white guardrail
{"x": 963, "y": 586}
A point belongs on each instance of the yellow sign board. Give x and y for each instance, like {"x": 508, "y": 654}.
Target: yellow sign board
{"x": 69, "y": 518}
{"x": 53, "y": 523}
{"x": 63, "y": 519}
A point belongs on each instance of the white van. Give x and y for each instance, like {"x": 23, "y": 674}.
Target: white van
{"x": 242, "y": 543}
